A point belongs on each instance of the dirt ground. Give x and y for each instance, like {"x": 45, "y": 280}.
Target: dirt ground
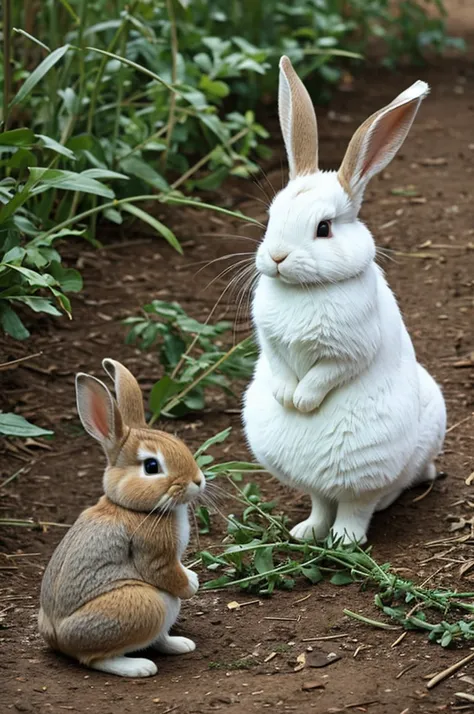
{"x": 429, "y": 227}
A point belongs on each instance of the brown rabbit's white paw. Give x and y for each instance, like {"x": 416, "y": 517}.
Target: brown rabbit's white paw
{"x": 309, "y": 530}
{"x": 174, "y": 645}
{"x": 126, "y": 666}
{"x": 283, "y": 391}
{"x": 193, "y": 582}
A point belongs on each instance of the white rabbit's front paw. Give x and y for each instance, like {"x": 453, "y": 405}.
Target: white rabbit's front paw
{"x": 306, "y": 398}
{"x": 349, "y": 533}
{"x": 193, "y": 582}
{"x": 283, "y": 391}
{"x": 309, "y": 530}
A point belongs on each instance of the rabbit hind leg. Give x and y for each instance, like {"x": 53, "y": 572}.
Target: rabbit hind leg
{"x": 121, "y": 621}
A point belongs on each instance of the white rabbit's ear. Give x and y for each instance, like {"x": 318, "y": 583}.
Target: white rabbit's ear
{"x": 297, "y": 121}
{"x": 129, "y": 395}
{"x": 98, "y": 411}
{"x": 378, "y": 139}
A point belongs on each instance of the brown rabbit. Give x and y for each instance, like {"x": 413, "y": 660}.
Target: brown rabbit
{"x": 114, "y": 583}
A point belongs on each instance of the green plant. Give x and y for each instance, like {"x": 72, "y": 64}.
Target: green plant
{"x": 16, "y": 425}
{"x": 129, "y": 102}
{"x": 260, "y": 556}
{"x": 191, "y": 354}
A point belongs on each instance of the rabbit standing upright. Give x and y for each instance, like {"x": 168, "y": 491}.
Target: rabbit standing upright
{"x": 114, "y": 583}
{"x": 338, "y": 406}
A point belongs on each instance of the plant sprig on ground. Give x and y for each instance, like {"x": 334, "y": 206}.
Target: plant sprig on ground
{"x": 192, "y": 355}
{"x": 259, "y": 556}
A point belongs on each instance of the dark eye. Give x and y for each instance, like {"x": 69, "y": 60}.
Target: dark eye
{"x": 324, "y": 229}
{"x": 151, "y": 467}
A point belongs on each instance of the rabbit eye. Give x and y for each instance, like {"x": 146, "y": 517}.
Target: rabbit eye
{"x": 324, "y": 229}
{"x": 151, "y": 467}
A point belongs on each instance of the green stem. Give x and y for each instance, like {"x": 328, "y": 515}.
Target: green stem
{"x": 135, "y": 199}
{"x": 206, "y": 158}
{"x": 174, "y": 74}
{"x": 98, "y": 80}
{"x": 7, "y": 69}
{"x": 368, "y": 621}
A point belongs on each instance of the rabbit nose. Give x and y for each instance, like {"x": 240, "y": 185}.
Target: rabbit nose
{"x": 279, "y": 257}
{"x": 199, "y": 480}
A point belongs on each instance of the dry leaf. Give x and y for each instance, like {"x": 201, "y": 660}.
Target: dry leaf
{"x": 464, "y": 696}
{"x": 465, "y": 567}
{"x": 301, "y": 659}
{"x": 271, "y": 656}
{"x": 440, "y": 161}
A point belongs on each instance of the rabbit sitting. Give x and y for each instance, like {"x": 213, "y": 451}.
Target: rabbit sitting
{"x": 338, "y": 406}
{"x": 114, "y": 583}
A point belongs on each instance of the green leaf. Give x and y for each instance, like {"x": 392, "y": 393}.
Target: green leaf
{"x": 204, "y": 518}
{"x": 161, "y": 393}
{"x": 17, "y": 137}
{"x": 104, "y": 174}
{"x": 67, "y": 181}
{"x": 16, "y": 425}
{"x": 38, "y": 304}
{"x": 312, "y": 572}
{"x": 19, "y": 31}
{"x": 235, "y": 466}
{"x": 342, "y": 578}
{"x": 69, "y": 279}
{"x": 263, "y": 560}
{"x": 38, "y": 74}
{"x": 168, "y": 235}
{"x": 216, "y": 439}
{"x": 50, "y": 143}
{"x": 11, "y": 323}
{"x": 143, "y": 171}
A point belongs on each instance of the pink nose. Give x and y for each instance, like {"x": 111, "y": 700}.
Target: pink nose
{"x": 279, "y": 257}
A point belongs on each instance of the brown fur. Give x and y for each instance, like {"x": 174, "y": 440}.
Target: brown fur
{"x": 102, "y": 592}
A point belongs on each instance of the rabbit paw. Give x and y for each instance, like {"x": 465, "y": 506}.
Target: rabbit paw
{"x": 126, "y": 666}
{"x": 174, "y": 645}
{"x": 349, "y": 534}
{"x": 193, "y": 582}
{"x": 309, "y": 530}
{"x": 283, "y": 391}
{"x": 307, "y": 399}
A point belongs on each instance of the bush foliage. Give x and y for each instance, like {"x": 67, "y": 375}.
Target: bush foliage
{"x": 108, "y": 105}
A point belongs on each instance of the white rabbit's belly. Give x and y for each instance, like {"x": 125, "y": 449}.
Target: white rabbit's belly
{"x": 359, "y": 440}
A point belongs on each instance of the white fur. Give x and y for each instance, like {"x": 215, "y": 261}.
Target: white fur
{"x": 338, "y": 406}
{"x": 126, "y": 666}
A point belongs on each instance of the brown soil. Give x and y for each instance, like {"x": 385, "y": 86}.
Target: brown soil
{"x": 435, "y": 288}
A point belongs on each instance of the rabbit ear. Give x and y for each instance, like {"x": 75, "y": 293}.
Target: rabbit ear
{"x": 297, "y": 121}
{"x": 378, "y": 139}
{"x": 129, "y": 394}
{"x": 98, "y": 411}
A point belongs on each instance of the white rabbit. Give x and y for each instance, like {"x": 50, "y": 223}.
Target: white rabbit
{"x": 338, "y": 406}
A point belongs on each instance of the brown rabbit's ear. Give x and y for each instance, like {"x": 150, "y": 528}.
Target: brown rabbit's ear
{"x": 98, "y": 411}
{"x": 378, "y": 139}
{"x": 297, "y": 121}
{"x": 129, "y": 394}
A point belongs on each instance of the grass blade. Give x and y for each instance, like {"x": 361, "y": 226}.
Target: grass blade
{"x": 159, "y": 227}
{"x": 38, "y": 74}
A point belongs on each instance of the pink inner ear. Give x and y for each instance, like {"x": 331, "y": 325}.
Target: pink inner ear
{"x": 386, "y": 132}
{"x": 99, "y": 414}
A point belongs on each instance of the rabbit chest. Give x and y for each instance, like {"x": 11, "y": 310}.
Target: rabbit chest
{"x": 307, "y": 324}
